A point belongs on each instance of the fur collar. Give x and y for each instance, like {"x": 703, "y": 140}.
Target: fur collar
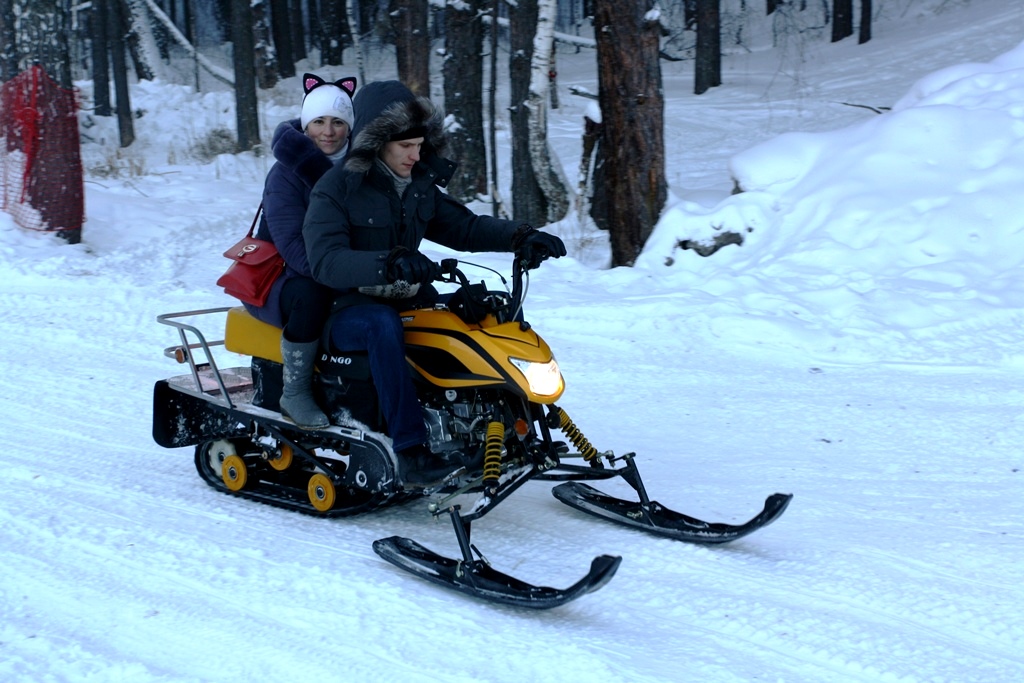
{"x": 298, "y": 153}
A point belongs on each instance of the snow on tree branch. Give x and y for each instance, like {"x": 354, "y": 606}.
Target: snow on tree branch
{"x": 221, "y": 75}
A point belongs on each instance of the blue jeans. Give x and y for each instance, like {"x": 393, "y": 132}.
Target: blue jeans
{"x": 377, "y": 329}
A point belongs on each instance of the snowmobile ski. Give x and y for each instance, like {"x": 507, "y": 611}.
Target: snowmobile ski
{"x": 657, "y": 519}
{"x": 479, "y": 580}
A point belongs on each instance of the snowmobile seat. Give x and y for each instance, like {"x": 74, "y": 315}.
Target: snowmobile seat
{"x": 343, "y": 378}
{"x": 247, "y": 335}
{"x": 250, "y": 336}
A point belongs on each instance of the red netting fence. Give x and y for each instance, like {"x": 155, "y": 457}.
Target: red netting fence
{"x": 40, "y": 158}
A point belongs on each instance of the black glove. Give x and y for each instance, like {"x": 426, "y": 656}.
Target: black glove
{"x": 411, "y": 266}
{"x": 533, "y": 246}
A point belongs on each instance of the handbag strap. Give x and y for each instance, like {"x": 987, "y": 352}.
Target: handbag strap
{"x": 255, "y": 220}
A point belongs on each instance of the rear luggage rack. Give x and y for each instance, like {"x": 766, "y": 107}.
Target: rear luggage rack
{"x": 183, "y": 353}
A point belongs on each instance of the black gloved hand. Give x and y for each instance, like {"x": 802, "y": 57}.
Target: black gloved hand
{"x": 534, "y": 246}
{"x": 411, "y": 266}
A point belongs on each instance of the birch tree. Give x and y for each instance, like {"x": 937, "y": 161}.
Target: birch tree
{"x": 528, "y": 201}
{"x": 546, "y": 169}
{"x": 223, "y": 75}
{"x": 142, "y": 44}
{"x": 355, "y": 30}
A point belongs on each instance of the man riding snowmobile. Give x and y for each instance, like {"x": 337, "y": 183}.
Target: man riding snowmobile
{"x": 363, "y": 229}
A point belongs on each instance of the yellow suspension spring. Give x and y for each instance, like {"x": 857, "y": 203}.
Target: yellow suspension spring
{"x": 492, "y": 452}
{"x": 581, "y": 443}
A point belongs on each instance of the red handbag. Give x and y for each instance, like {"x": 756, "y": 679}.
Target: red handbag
{"x": 254, "y": 268}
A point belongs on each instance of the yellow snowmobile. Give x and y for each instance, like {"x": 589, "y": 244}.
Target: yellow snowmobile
{"x": 487, "y": 383}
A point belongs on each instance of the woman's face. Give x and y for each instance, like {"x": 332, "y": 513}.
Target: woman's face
{"x": 329, "y": 133}
{"x": 402, "y": 155}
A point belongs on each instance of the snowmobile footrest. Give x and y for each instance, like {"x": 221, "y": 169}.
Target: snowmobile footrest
{"x": 567, "y": 472}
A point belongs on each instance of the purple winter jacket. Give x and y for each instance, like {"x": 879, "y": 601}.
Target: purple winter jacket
{"x": 299, "y": 164}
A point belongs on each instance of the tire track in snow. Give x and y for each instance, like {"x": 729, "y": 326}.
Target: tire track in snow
{"x": 192, "y": 566}
{"x": 748, "y": 600}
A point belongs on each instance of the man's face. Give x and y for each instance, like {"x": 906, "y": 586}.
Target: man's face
{"x": 402, "y": 155}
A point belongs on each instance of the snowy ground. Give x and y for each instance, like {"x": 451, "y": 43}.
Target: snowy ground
{"x": 861, "y": 350}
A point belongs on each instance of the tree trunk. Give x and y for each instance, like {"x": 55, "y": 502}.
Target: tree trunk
{"x": 8, "y": 41}
{"x": 599, "y": 207}
{"x": 528, "y": 201}
{"x": 357, "y": 41}
{"x": 198, "y": 61}
{"x": 100, "y": 58}
{"x": 41, "y": 30}
{"x": 332, "y": 14}
{"x": 412, "y": 44}
{"x": 265, "y": 57}
{"x": 316, "y": 27}
{"x": 591, "y": 134}
{"x": 464, "y": 97}
{"x": 298, "y": 32}
{"x": 865, "y": 22}
{"x": 243, "y": 48}
{"x": 116, "y": 32}
{"x": 370, "y": 17}
{"x": 160, "y": 36}
{"x": 281, "y": 32}
{"x": 842, "y": 19}
{"x": 546, "y": 168}
{"x": 186, "y": 20}
{"x": 192, "y": 38}
{"x": 708, "y": 60}
{"x": 553, "y": 74}
{"x": 497, "y": 209}
{"x": 632, "y": 109}
{"x": 139, "y": 38}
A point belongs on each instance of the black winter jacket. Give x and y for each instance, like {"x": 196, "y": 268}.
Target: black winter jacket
{"x": 355, "y": 216}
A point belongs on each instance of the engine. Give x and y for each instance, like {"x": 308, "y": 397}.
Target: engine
{"x": 457, "y": 420}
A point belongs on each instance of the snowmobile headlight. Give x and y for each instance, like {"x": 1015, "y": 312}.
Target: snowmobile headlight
{"x": 545, "y": 379}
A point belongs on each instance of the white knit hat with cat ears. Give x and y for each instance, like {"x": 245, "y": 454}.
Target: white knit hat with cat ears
{"x": 327, "y": 99}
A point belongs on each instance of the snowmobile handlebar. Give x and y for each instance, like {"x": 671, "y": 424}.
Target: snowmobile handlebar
{"x": 450, "y": 273}
{"x": 504, "y": 306}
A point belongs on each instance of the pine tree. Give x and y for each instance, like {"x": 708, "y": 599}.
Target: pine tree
{"x": 632, "y": 103}
{"x": 463, "y": 96}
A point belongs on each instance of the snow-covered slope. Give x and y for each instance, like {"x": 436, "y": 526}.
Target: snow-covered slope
{"x": 861, "y": 351}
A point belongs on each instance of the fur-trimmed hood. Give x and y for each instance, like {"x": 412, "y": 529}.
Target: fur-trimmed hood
{"x": 387, "y": 108}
